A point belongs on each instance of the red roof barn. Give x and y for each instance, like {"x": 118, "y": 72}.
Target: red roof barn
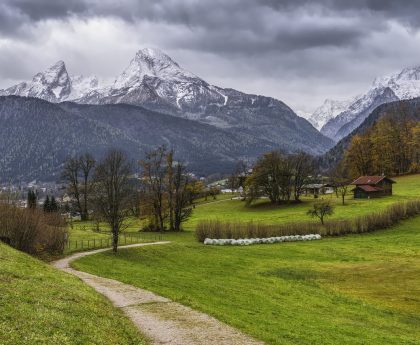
{"x": 372, "y": 187}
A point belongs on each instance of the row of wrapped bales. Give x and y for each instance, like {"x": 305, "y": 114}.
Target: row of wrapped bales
{"x": 249, "y": 241}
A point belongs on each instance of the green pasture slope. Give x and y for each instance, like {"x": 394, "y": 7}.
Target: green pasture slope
{"x": 407, "y": 187}
{"x": 41, "y": 305}
{"x": 358, "y": 289}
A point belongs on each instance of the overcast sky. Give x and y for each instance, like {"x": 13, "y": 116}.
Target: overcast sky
{"x": 298, "y": 51}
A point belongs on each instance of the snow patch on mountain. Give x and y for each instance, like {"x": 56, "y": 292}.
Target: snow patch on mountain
{"x": 54, "y": 85}
{"x": 154, "y": 81}
{"x": 399, "y": 86}
{"x": 81, "y": 86}
{"x": 327, "y": 111}
{"x": 405, "y": 84}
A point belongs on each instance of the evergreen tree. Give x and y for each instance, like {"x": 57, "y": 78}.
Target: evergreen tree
{"x": 53, "y": 205}
{"x": 47, "y": 204}
{"x": 31, "y": 199}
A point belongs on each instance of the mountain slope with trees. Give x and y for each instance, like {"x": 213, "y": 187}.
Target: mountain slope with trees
{"x": 388, "y": 117}
{"x": 154, "y": 81}
{"x": 37, "y": 136}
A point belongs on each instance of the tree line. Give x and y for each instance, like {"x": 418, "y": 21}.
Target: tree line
{"x": 391, "y": 147}
{"x": 162, "y": 194}
{"x": 279, "y": 176}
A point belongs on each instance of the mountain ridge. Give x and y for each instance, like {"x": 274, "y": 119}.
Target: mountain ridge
{"x": 411, "y": 108}
{"x": 154, "y": 81}
{"x": 402, "y": 85}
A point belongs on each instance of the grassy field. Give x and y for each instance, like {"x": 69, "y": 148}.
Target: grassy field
{"x": 235, "y": 210}
{"x": 359, "y": 289}
{"x": 82, "y": 236}
{"x": 40, "y": 305}
{"x": 223, "y": 208}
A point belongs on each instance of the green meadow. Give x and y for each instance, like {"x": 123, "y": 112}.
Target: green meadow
{"x": 41, "y": 305}
{"x": 356, "y": 289}
{"x": 407, "y": 187}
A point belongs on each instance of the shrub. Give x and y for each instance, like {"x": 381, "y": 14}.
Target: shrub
{"x": 321, "y": 210}
{"x": 338, "y": 227}
{"x": 31, "y": 230}
{"x": 238, "y": 230}
{"x": 215, "y": 229}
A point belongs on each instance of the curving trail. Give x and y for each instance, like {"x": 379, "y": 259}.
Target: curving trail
{"x": 158, "y": 318}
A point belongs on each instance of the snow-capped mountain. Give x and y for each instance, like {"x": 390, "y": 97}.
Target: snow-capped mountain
{"x": 327, "y": 111}
{"x": 156, "y": 82}
{"x": 405, "y": 84}
{"x": 400, "y": 86}
{"x": 54, "y": 85}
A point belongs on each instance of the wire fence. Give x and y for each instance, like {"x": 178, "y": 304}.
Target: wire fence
{"x": 106, "y": 242}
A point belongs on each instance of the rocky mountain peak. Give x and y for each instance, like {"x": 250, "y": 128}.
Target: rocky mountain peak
{"x": 328, "y": 110}
{"x": 151, "y": 62}
{"x": 398, "y": 86}
{"x": 53, "y": 84}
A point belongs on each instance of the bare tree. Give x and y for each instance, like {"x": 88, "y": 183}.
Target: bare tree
{"x": 170, "y": 182}
{"x": 341, "y": 180}
{"x": 303, "y": 166}
{"x": 112, "y": 191}
{"x": 238, "y": 177}
{"x": 181, "y": 196}
{"x": 71, "y": 174}
{"x": 342, "y": 189}
{"x": 154, "y": 176}
{"x": 77, "y": 173}
{"x": 87, "y": 164}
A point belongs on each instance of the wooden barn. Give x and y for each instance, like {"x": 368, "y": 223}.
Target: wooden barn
{"x": 372, "y": 187}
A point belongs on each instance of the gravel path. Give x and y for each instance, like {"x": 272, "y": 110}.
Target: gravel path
{"x": 158, "y": 318}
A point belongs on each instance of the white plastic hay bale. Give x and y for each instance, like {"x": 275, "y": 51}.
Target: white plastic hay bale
{"x": 250, "y": 241}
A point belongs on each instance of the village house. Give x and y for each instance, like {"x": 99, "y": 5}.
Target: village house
{"x": 372, "y": 187}
{"x": 318, "y": 188}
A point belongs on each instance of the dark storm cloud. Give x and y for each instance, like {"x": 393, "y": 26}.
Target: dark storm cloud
{"x": 275, "y": 47}
{"x": 265, "y": 23}
{"x": 44, "y": 9}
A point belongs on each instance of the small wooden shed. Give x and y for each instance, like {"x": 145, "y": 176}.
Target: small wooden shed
{"x": 372, "y": 187}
